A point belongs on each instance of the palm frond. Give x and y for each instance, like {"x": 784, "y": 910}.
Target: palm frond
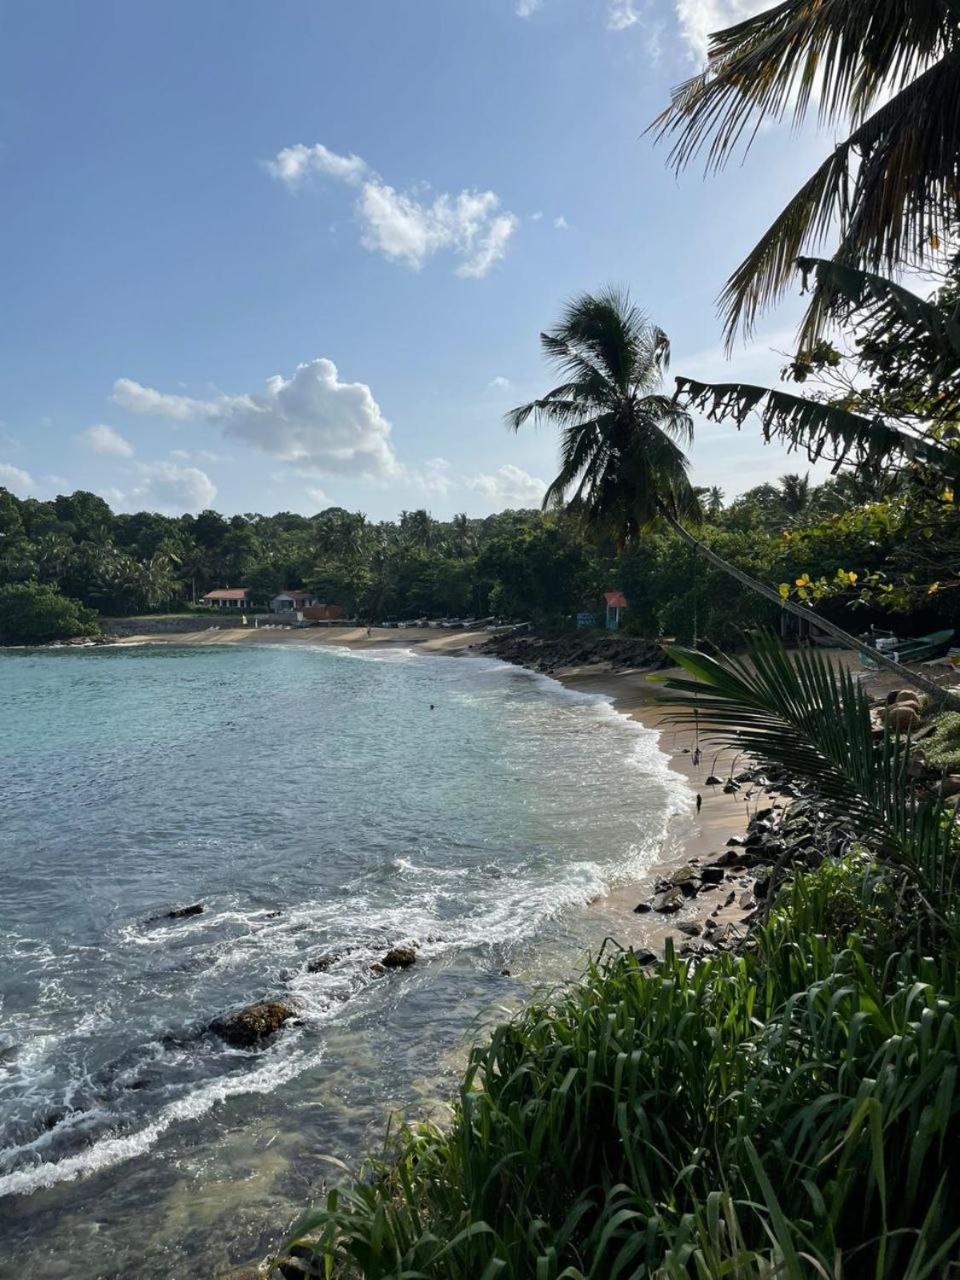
{"x": 812, "y": 717}
{"x": 826, "y": 432}
{"x": 844, "y": 293}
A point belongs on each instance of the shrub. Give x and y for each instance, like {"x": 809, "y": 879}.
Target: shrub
{"x": 37, "y": 611}
{"x": 942, "y": 748}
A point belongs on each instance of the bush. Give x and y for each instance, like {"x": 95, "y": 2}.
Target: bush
{"x": 942, "y": 748}
{"x": 32, "y": 611}
{"x": 788, "y": 1112}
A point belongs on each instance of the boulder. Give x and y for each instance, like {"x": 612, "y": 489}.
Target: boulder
{"x": 950, "y": 786}
{"x": 902, "y": 716}
{"x": 712, "y": 875}
{"x": 689, "y": 927}
{"x": 248, "y": 1027}
{"x": 730, "y": 787}
{"x": 645, "y": 957}
{"x": 670, "y": 901}
{"x": 713, "y": 781}
{"x": 320, "y": 964}
{"x": 642, "y": 908}
{"x": 399, "y": 958}
{"x": 180, "y": 913}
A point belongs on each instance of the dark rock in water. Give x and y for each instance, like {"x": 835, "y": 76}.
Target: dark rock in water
{"x": 642, "y": 908}
{"x": 690, "y": 928}
{"x": 712, "y": 875}
{"x": 320, "y": 964}
{"x": 762, "y": 888}
{"x": 504, "y": 973}
{"x": 746, "y": 776}
{"x": 645, "y": 957}
{"x": 713, "y": 781}
{"x": 670, "y": 901}
{"x": 248, "y": 1027}
{"x": 399, "y": 958}
{"x": 180, "y": 913}
{"x": 730, "y": 787}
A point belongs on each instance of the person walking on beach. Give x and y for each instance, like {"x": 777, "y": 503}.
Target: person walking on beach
{"x": 699, "y": 801}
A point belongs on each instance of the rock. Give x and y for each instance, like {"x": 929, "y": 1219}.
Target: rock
{"x": 504, "y": 973}
{"x": 902, "y": 716}
{"x": 642, "y": 908}
{"x": 712, "y": 875}
{"x": 748, "y": 902}
{"x": 644, "y": 957}
{"x": 399, "y": 958}
{"x": 730, "y": 787}
{"x": 670, "y": 901}
{"x": 950, "y": 786}
{"x": 761, "y": 888}
{"x": 709, "y": 925}
{"x": 713, "y": 781}
{"x": 320, "y": 964}
{"x": 180, "y": 913}
{"x": 248, "y": 1027}
{"x": 378, "y": 968}
{"x": 689, "y": 927}
{"x": 746, "y": 776}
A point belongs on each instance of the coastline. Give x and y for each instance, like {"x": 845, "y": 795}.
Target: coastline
{"x": 691, "y": 837}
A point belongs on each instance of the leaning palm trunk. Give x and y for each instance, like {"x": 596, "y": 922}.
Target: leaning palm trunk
{"x": 915, "y": 678}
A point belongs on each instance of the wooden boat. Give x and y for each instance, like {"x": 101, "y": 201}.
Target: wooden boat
{"x": 917, "y": 649}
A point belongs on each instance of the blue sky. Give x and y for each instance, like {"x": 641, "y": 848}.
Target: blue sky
{"x": 288, "y": 255}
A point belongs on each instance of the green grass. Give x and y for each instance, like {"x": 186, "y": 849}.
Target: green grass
{"x": 792, "y": 1111}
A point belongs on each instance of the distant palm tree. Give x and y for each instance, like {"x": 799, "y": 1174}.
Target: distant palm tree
{"x": 619, "y": 450}
{"x": 795, "y": 494}
{"x": 462, "y": 539}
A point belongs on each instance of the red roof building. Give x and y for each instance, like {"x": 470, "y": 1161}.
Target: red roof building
{"x": 227, "y": 597}
{"x": 616, "y": 603}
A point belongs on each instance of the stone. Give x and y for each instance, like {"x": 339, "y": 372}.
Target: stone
{"x": 378, "y": 968}
{"x": 761, "y": 888}
{"x": 181, "y": 913}
{"x": 645, "y": 957}
{"x": 642, "y": 908}
{"x": 713, "y": 781}
{"x": 950, "y": 786}
{"x": 248, "y": 1027}
{"x": 670, "y": 901}
{"x": 730, "y": 787}
{"x": 712, "y": 875}
{"x": 399, "y": 958}
{"x": 320, "y": 964}
{"x": 748, "y": 902}
{"x": 689, "y": 927}
{"x": 504, "y": 973}
{"x": 746, "y": 776}
{"x": 902, "y": 716}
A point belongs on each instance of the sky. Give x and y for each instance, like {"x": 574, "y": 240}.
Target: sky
{"x": 279, "y": 257}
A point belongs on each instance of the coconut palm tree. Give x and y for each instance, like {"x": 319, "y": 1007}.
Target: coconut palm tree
{"x": 622, "y": 467}
{"x": 890, "y": 72}
{"x": 795, "y": 496}
{"x": 887, "y": 71}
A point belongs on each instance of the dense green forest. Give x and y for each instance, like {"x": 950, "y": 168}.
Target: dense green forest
{"x": 524, "y": 564}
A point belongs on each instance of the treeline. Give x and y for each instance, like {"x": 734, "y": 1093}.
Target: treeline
{"x": 534, "y": 565}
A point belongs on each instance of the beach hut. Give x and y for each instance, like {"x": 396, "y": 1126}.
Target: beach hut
{"x": 616, "y": 602}
{"x": 292, "y": 601}
{"x": 227, "y": 598}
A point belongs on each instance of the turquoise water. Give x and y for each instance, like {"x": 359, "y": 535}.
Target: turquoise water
{"x": 314, "y": 802}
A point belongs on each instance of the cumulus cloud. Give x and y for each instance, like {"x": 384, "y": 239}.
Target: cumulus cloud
{"x": 433, "y": 475}
{"x": 16, "y": 479}
{"x": 103, "y": 439}
{"x": 402, "y": 225}
{"x": 500, "y": 383}
{"x": 167, "y": 487}
{"x": 698, "y": 18}
{"x": 311, "y": 418}
{"x": 527, "y": 8}
{"x": 509, "y": 486}
{"x": 561, "y": 223}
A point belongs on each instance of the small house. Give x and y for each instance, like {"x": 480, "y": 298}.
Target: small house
{"x": 228, "y": 598}
{"x": 616, "y": 603}
{"x": 292, "y": 601}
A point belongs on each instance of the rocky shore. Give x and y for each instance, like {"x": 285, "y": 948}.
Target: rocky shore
{"x": 548, "y": 654}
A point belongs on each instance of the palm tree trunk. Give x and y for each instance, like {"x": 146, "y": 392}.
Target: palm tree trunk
{"x": 915, "y": 678}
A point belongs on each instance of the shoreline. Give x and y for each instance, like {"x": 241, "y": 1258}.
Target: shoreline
{"x": 692, "y": 836}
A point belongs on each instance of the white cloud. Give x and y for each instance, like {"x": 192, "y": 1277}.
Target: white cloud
{"x": 15, "y": 479}
{"x": 319, "y": 497}
{"x": 699, "y": 18}
{"x": 400, "y": 224}
{"x": 500, "y": 383}
{"x": 535, "y": 217}
{"x": 561, "y": 223}
{"x": 293, "y": 163}
{"x": 433, "y": 475}
{"x": 621, "y": 15}
{"x": 167, "y": 487}
{"x": 526, "y": 8}
{"x": 103, "y": 439}
{"x": 311, "y": 418}
{"x": 509, "y": 486}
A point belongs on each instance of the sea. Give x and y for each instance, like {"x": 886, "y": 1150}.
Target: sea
{"x": 316, "y": 801}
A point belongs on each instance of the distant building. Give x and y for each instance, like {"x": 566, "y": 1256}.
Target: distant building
{"x": 228, "y": 598}
{"x": 292, "y": 601}
{"x": 322, "y": 613}
{"x": 616, "y": 604}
